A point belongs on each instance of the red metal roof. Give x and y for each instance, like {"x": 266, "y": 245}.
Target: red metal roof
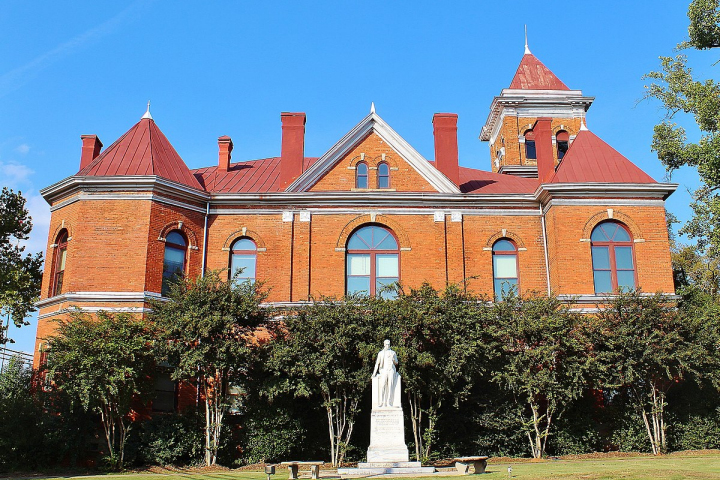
{"x": 532, "y": 74}
{"x": 255, "y": 176}
{"x": 590, "y": 159}
{"x": 479, "y": 181}
{"x": 142, "y": 150}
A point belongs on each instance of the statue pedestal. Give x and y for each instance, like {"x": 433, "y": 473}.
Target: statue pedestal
{"x": 387, "y": 428}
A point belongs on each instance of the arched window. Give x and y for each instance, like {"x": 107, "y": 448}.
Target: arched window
{"x": 383, "y": 179}
{"x": 243, "y": 255}
{"x": 505, "y": 267}
{"x": 59, "y": 262}
{"x": 361, "y": 175}
{"x": 174, "y": 259}
{"x": 373, "y": 261}
{"x": 613, "y": 258}
{"x": 563, "y": 142}
{"x": 530, "y": 145}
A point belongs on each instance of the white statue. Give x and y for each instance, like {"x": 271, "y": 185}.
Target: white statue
{"x": 385, "y": 370}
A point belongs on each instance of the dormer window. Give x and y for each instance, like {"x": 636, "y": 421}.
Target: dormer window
{"x": 383, "y": 180}
{"x": 563, "y": 143}
{"x": 530, "y": 145}
{"x": 361, "y": 175}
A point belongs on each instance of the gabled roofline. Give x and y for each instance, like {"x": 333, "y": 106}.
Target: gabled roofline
{"x": 371, "y": 123}
{"x": 546, "y": 191}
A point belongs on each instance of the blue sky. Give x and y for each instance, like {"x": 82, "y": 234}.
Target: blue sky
{"x": 230, "y": 68}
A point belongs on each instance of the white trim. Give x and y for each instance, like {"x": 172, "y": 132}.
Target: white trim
{"x": 601, "y": 299}
{"x": 601, "y": 190}
{"x": 369, "y": 124}
{"x": 95, "y": 310}
{"x": 98, "y": 297}
{"x": 484, "y": 212}
{"x": 602, "y": 202}
{"x": 125, "y": 196}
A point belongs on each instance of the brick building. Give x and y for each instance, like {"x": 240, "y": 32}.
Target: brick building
{"x": 560, "y": 210}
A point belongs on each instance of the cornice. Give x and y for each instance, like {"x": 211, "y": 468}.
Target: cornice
{"x": 95, "y": 297}
{"x": 546, "y": 191}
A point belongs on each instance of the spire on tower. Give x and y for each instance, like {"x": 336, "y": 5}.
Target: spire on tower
{"x": 372, "y": 107}
{"x": 147, "y": 114}
{"x": 527, "y": 49}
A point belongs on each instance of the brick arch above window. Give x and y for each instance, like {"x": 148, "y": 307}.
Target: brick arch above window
{"x": 561, "y": 128}
{"x": 504, "y": 233}
{"x": 389, "y": 159}
{"x": 377, "y": 219}
{"x": 63, "y": 225}
{"x": 244, "y": 232}
{"x": 181, "y": 227}
{"x": 612, "y": 214}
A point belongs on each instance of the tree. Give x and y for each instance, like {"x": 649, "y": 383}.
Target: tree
{"x": 643, "y": 345}
{"x": 210, "y": 330}
{"x": 20, "y": 274}
{"x": 543, "y": 360}
{"x": 327, "y": 349}
{"x": 679, "y": 92}
{"x": 442, "y": 340}
{"x": 104, "y": 364}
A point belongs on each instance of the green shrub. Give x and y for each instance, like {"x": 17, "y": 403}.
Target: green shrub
{"x": 171, "y": 439}
{"x": 270, "y": 435}
{"x": 630, "y": 434}
{"x": 696, "y": 432}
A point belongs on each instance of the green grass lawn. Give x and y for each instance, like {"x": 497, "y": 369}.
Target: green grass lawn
{"x": 662, "y": 468}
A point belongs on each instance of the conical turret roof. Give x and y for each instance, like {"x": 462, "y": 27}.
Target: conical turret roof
{"x": 532, "y": 74}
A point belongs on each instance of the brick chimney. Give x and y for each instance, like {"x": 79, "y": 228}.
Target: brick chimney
{"x": 91, "y": 146}
{"x": 225, "y": 146}
{"x": 292, "y": 154}
{"x": 446, "y": 146}
{"x": 544, "y": 149}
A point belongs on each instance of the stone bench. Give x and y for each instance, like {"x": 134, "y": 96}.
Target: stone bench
{"x": 293, "y": 468}
{"x": 462, "y": 464}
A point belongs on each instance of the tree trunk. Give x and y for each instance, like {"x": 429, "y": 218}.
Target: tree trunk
{"x": 414, "y": 400}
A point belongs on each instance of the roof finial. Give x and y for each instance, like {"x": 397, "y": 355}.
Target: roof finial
{"x": 372, "y": 107}
{"x": 527, "y": 49}
{"x": 147, "y": 114}
{"x": 583, "y": 127}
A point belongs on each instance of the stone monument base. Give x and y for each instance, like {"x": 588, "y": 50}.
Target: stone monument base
{"x": 387, "y": 438}
{"x": 384, "y": 468}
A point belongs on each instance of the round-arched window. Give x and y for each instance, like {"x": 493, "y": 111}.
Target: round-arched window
{"x": 505, "y": 267}
{"x": 562, "y": 139}
{"x": 59, "y": 262}
{"x": 173, "y": 260}
{"x": 383, "y": 178}
{"x": 613, "y": 258}
{"x": 530, "y": 152}
{"x": 243, "y": 260}
{"x": 361, "y": 175}
{"x": 372, "y": 261}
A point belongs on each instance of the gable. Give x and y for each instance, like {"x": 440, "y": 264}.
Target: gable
{"x": 376, "y": 136}
{"x": 372, "y": 151}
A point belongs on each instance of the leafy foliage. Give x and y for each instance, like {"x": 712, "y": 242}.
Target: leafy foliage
{"x": 209, "y": 331}
{"x": 171, "y": 439}
{"x": 104, "y": 364}
{"x": 543, "y": 359}
{"x": 20, "y": 274}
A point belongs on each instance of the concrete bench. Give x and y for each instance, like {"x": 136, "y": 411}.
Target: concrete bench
{"x": 462, "y": 464}
{"x": 293, "y": 469}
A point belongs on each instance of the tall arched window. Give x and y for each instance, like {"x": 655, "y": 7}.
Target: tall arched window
{"x": 59, "y": 262}
{"x": 243, "y": 255}
{"x": 174, "y": 259}
{"x": 383, "y": 179}
{"x": 530, "y": 145}
{"x": 613, "y": 258}
{"x": 563, "y": 143}
{"x": 505, "y": 267}
{"x": 373, "y": 261}
{"x": 361, "y": 175}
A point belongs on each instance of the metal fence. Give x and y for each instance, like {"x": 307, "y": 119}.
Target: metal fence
{"x": 6, "y": 354}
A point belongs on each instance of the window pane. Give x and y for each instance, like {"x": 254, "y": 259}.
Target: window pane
{"x": 503, "y": 246}
{"x": 626, "y": 279}
{"x": 601, "y": 258}
{"x": 63, "y": 256}
{"x": 562, "y": 148}
{"x": 603, "y": 282}
{"x": 358, "y": 264}
{"x": 358, "y": 285}
{"x": 174, "y": 259}
{"x": 386, "y": 265}
{"x": 505, "y": 266}
{"x": 380, "y": 285}
{"x": 387, "y": 243}
{"x": 503, "y": 287}
{"x": 361, "y": 179}
{"x": 244, "y": 244}
{"x": 530, "y": 149}
{"x": 59, "y": 283}
{"x": 362, "y": 182}
{"x": 621, "y": 235}
{"x": 176, "y": 238}
{"x": 383, "y": 169}
{"x": 623, "y": 258}
{"x": 246, "y": 262}
{"x": 383, "y": 182}
{"x": 598, "y": 235}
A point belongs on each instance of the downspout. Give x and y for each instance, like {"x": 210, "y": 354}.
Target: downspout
{"x": 545, "y": 248}
{"x": 205, "y": 237}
